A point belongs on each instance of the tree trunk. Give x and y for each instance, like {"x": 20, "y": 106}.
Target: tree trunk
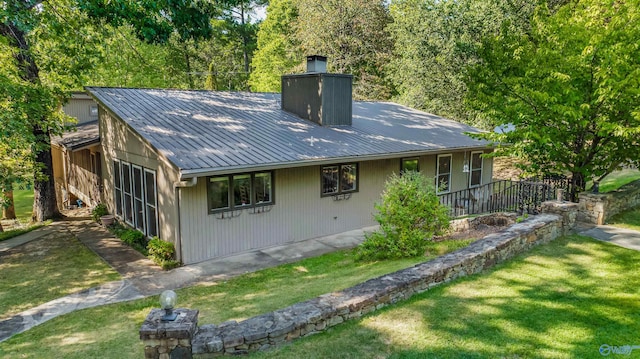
{"x": 44, "y": 204}
{"x": 9, "y": 212}
{"x": 577, "y": 185}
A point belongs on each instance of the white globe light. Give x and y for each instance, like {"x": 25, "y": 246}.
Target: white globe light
{"x": 168, "y": 299}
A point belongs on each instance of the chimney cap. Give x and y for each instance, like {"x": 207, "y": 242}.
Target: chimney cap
{"x": 316, "y": 63}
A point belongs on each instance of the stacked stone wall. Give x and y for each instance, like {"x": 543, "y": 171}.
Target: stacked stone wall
{"x": 597, "y": 208}
{"x": 318, "y": 314}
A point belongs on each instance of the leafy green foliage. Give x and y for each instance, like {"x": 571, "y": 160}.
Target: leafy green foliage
{"x": 353, "y": 36}
{"x": 162, "y": 253}
{"x": 98, "y": 211}
{"x": 568, "y": 87}
{"x": 410, "y": 214}
{"x": 278, "y": 51}
{"x": 133, "y": 238}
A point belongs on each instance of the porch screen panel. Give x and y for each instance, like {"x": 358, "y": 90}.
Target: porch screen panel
{"x": 151, "y": 198}
{"x": 117, "y": 184}
{"x": 138, "y": 201}
{"x": 126, "y": 189}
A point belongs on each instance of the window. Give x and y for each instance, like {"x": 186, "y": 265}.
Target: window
{"x": 476, "y": 169}
{"x": 339, "y": 179}
{"x": 136, "y": 196}
{"x": 138, "y": 200}
{"x": 409, "y": 164}
{"x": 239, "y": 191}
{"x": 93, "y": 110}
{"x": 443, "y": 176}
{"x": 117, "y": 184}
{"x": 150, "y": 202}
{"x": 126, "y": 189}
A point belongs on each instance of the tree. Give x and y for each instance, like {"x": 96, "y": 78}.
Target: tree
{"x": 352, "y": 34}
{"x": 38, "y": 87}
{"x": 569, "y": 88}
{"x": 278, "y": 52}
{"x": 435, "y": 40}
{"x": 409, "y": 215}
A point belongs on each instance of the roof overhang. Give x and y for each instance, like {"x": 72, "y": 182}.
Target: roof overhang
{"x": 204, "y": 172}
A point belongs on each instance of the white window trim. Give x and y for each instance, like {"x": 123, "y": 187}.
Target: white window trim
{"x": 139, "y": 226}
{"x": 146, "y": 200}
{"x": 438, "y": 172}
{"x": 471, "y": 168}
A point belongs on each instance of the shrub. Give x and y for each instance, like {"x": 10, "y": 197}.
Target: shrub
{"x": 162, "y": 252}
{"x": 409, "y": 215}
{"x": 98, "y": 211}
{"x": 134, "y": 239}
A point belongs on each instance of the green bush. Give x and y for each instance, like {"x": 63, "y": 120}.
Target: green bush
{"x": 134, "y": 239}
{"x": 99, "y": 211}
{"x": 162, "y": 253}
{"x": 409, "y": 215}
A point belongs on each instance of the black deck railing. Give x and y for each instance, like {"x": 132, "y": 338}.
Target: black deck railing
{"x": 503, "y": 196}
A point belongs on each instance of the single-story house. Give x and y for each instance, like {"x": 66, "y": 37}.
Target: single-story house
{"x": 218, "y": 173}
{"x": 76, "y": 155}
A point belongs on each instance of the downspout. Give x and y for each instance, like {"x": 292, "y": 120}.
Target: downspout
{"x": 178, "y": 230}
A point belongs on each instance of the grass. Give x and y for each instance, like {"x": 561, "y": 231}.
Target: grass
{"x": 617, "y": 179}
{"x": 46, "y": 269}
{"x": 562, "y": 300}
{"x": 112, "y": 331}
{"x": 628, "y": 219}
{"x": 23, "y": 204}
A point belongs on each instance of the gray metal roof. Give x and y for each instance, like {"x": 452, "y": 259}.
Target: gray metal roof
{"x": 85, "y": 134}
{"x": 205, "y": 132}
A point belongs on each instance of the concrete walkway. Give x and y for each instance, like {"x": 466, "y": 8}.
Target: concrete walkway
{"x": 142, "y": 278}
{"x": 626, "y": 238}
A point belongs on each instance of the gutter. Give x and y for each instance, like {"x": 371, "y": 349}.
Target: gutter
{"x": 191, "y": 182}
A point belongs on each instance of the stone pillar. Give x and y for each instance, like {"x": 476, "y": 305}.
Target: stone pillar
{"x": 567, "y": 210}
{"x": 169, "y": 340}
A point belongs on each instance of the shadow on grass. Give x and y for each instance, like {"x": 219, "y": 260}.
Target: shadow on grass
{"x": 563, "y": 300}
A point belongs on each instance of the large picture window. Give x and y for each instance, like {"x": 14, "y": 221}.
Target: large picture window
{"x": 240, "y": 191}
{"x": 475, "y": 179}
{"x": 443, "y": 176}
{"x": 338, "y": 179}
{"x": 136, "y": 196}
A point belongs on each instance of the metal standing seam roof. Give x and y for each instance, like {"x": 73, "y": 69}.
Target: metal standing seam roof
{"x": 204, "y": 132}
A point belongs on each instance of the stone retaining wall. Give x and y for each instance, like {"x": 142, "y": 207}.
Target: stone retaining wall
{"x": 325, "y": 311}
{"x": 597, "y": 208}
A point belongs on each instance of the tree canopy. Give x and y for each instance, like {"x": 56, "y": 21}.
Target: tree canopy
{"x": 569, "y": 87}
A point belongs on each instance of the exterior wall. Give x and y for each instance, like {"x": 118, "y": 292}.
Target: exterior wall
{"x": 119, "y": 142}
{"x": 74, "y": 174}
{"x": 299, "y": 211}
{"x": 79, "y": 107}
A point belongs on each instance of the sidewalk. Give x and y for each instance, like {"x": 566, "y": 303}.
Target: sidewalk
{"x": 142, "y": 278}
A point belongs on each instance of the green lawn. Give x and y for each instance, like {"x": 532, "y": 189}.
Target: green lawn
{"x": 116, "y": 326}
{"x": 23, "y": 203}
{"x": 46, "y": 269}
{"x": 628, "y": 219}
{"x": 617, "y": 179}
{"x": 561, "y": 300}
